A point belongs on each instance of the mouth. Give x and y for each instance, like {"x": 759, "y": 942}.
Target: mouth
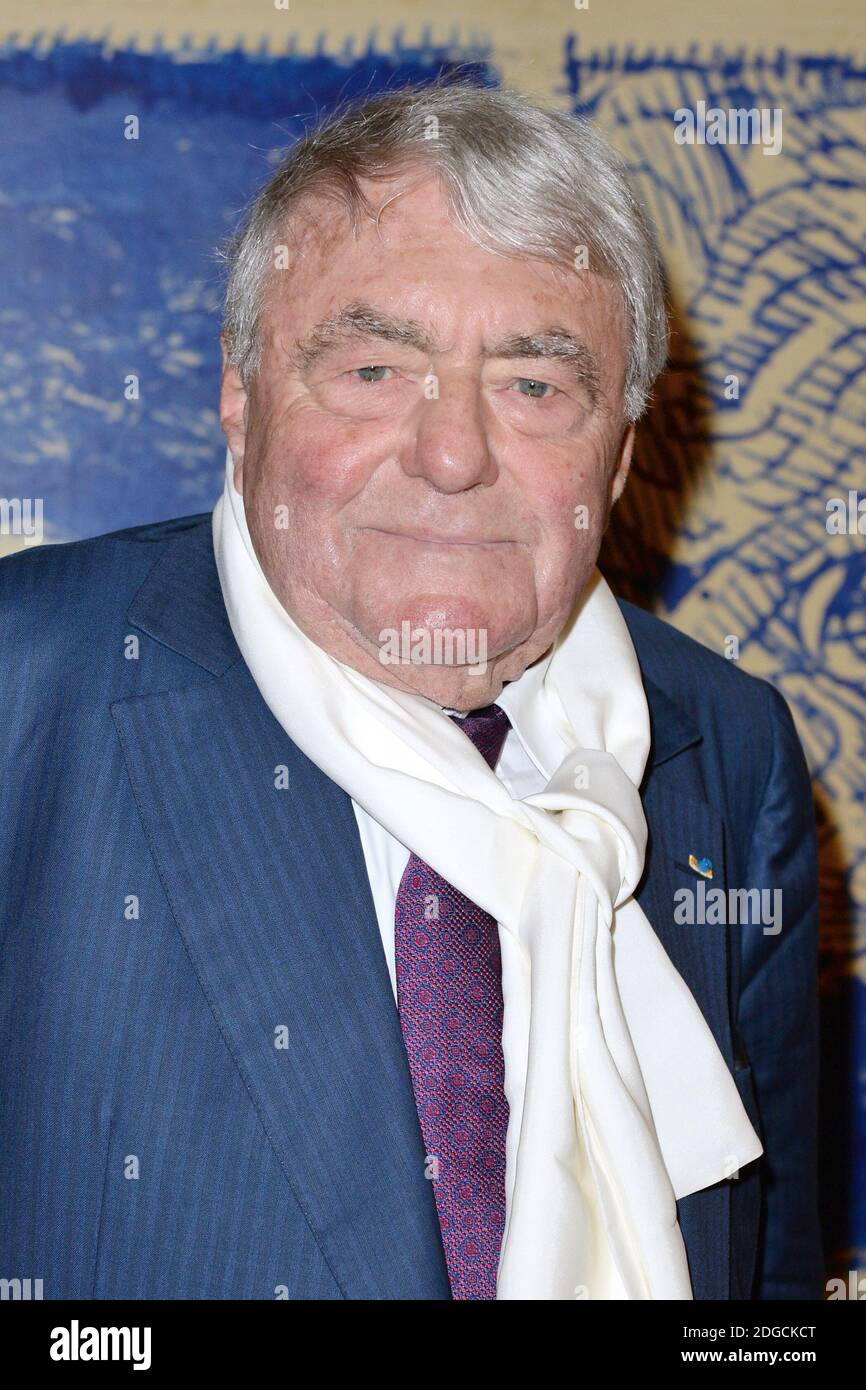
{"x": 423, "y": 537}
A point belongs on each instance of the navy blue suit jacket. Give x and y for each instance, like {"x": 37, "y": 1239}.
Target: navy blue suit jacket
{"x": 164, "y": 909}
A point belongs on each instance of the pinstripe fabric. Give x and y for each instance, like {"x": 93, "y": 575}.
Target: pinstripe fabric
{"x": 149, "y": 1039}
{"x": 110, "y": 1047}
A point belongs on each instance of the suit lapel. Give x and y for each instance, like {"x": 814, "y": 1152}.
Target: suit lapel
{"x": 681, "y": 823}
{"x": 261, "y": 862}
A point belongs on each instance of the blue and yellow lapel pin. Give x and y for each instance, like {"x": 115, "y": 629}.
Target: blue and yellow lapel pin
{"x": 702, "y": 866}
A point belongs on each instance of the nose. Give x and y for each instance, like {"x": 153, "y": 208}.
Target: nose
{"x": 451, "y": 449}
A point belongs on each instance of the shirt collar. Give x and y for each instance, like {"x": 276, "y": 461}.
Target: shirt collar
{"x": 535, "y": 714}
{"x": 532, "y": 709}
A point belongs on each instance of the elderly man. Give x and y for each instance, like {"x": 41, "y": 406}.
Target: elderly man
{"x": 358, "y": 842}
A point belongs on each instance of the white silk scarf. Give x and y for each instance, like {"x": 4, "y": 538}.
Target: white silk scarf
{"x": 620, "y": 1100}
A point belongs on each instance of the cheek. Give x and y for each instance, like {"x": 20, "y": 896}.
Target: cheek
{"x": 574, "y": 505}
{"x": 317, "y": 467}
{"x": 300, "y": 490}
{"x": 573, "y": 515}
{"x": 302, "y": 478}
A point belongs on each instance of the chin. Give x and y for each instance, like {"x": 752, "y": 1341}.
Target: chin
{"x": 442, "y": 628}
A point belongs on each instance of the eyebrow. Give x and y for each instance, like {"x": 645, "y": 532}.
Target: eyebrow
{"x": 361, "y": 320}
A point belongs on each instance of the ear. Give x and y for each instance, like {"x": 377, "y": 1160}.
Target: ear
{"x": 233, "y": 413}
{"x": 623, "y": 464}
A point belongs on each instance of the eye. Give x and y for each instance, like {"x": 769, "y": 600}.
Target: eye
{"x": 375, "y": 374}
{"x": 537, "y": 389}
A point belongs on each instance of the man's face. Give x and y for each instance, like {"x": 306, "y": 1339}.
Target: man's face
{"x": 428, "y": 424}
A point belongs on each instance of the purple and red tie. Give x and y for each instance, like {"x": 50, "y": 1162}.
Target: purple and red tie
{"x": 449, "y": 994}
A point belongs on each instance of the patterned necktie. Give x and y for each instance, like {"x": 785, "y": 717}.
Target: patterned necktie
{"x": 449, "y": 994}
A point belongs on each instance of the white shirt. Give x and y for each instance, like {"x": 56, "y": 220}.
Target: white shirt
{"x": 519, "y": 767}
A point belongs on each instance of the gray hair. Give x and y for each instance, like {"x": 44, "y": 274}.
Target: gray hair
{"x": 521, "y": 180}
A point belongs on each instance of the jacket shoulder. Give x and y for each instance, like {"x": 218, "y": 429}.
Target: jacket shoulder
{"x": 54, "y": 565}
{"x": 691, "y": 674}
{"x": 748, "y": 745}
{"x": 89, "y": 576}
{"x": 63, "y": 606}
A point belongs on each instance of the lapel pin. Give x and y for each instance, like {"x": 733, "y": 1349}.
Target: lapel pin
{"x": 703, "y": 866}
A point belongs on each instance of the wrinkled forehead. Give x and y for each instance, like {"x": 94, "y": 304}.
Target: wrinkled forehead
{"x": 326, "y": 242}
